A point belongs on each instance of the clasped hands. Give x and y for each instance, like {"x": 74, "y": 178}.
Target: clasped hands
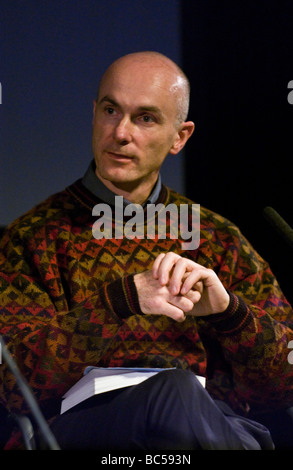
{"x": 177, "y": 287}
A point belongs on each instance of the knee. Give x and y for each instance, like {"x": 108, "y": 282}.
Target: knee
{"x": 179, "y": 378}
{"x": 166, "y": 413}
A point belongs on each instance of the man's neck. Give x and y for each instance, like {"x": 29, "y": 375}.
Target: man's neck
{"x": 107, "y": 193}
{"x": 136, "y": 193}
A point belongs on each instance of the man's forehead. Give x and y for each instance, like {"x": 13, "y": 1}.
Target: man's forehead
{"x": 148, "y": 73}
{"x": 145, "y": 89}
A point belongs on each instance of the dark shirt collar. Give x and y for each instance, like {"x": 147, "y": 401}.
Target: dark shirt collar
{"x": 95, "y": 185}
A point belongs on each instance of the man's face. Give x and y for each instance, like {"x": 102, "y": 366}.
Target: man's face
{"x": 133, "y": 126}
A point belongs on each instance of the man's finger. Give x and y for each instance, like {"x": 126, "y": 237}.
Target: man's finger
{"x": 156, "y": 265}
{"x": 195, "y": 280}
{"x": 180, "y": 272}
{"x": 166, "y": 266}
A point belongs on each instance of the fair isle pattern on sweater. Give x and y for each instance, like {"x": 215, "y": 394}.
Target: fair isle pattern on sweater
{"x": 68, "y": 300}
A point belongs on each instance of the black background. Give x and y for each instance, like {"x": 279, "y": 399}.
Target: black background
{"x": 239, "y": 58}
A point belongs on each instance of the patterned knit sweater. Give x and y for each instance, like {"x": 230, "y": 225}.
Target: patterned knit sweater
{"x": 68, "y": 300}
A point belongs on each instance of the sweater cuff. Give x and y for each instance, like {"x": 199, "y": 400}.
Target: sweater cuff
{"x": 234, "y": 319}
{"x": 122, "y": 297}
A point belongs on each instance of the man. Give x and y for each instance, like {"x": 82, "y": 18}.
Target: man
{"x": 70, "y": 299}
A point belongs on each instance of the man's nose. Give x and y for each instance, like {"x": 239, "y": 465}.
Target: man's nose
{"x": 123, "y": 131}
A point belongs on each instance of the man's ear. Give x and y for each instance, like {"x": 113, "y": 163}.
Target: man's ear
{"x": 184, "y": 132}
{"x": 94, "y": 110}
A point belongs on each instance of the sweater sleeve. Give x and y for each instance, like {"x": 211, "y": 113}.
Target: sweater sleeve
{"x": 51, "y": 344}
{"x": 257, "y": 326}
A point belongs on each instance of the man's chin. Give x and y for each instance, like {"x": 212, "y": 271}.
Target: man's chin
{"x": 123, "y": 180}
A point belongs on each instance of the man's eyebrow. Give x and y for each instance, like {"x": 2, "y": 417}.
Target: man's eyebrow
{"x": 149, "y": 108}
{"x": 107, "y": 99}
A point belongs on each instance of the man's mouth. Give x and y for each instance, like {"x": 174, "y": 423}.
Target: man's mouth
{"x": 119, "y": 156}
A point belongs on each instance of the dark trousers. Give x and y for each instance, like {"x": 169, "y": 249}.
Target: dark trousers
{"x": 169, "y": 411}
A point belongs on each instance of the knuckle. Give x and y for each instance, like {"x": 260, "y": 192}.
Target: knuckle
{"x": 186, "y": 304}
{"x": 212, "y": 273}
{"x": 172, "y": 255}
{"x": 179, "y": 317}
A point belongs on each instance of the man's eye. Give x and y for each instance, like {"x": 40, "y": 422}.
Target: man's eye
{"x": 110, "y": 110}
{"x": 147, "y": 118}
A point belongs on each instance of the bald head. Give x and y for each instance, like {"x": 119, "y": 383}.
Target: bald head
{"x": 157, "y": 66}
{"x": 139, "y": 117}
